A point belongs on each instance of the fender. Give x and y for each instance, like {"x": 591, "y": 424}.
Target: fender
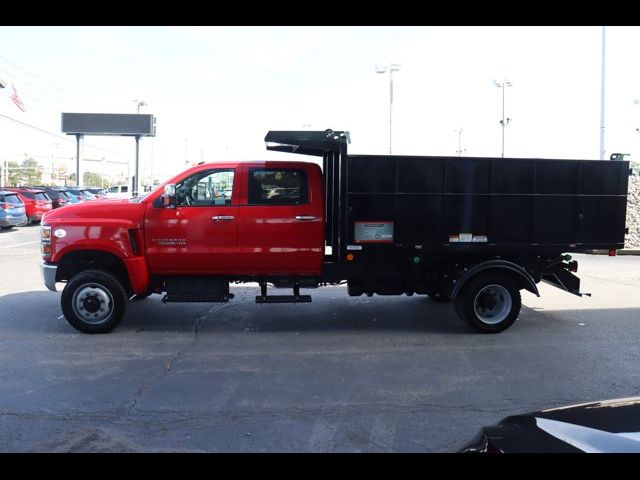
{"x": 109, "y": 236}
{"x": 528, "y": 282}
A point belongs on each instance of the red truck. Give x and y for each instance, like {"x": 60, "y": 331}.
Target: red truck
{"x": 475, "y": 231}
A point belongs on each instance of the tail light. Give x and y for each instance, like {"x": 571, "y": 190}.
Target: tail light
{"x": 6, "y": 206}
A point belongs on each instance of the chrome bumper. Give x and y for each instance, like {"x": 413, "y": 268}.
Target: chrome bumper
{"x": 48, "y": 273}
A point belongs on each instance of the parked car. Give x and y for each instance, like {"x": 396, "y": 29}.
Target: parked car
{"x": 82, "y": 194}
{"x": 36, "y": 202}
{"x": 58, "y": 195}
{"x": 99, "y": 193}
{"x": 12, "y": 211}
{"x": 119, "y": 191}
{"x": 609, "y": 426}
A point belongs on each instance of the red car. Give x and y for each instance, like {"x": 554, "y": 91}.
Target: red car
{"x": 36, "y": 202}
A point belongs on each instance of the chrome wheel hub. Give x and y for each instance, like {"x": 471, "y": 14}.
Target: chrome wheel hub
{"x": 92, "y": 303}
{"x": 492, "y": 304}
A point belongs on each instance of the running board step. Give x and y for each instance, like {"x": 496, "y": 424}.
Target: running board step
{"x": 283, "y": 299}
{"x": 295, "y": 298}
{"x": 196, "y": 298}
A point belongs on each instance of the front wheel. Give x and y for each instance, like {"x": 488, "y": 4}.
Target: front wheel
{"x": 94, "y": 301}
{"x": 490, "y": 302}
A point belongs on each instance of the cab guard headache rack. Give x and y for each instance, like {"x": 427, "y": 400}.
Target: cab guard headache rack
{"x": 331, "y": 145}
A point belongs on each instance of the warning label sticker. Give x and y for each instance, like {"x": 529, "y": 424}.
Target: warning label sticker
{"x": 373, "y": 232}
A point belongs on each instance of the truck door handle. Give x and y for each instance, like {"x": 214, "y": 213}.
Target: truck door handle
{"x": 306, "y": 218}
{"x": 225, "y": 218}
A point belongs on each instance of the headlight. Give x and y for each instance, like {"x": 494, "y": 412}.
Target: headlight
{"x": 45, "y": 241}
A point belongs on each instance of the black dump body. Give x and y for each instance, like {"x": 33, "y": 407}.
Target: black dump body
{"x": 478, "y": 203}
{"x": 463, "y": 204}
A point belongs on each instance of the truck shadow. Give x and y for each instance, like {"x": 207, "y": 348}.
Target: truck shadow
{"x": 331, "y": 311}
{"x": 326, "y": 313}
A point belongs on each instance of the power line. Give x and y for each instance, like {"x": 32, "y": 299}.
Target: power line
{"x": 38, "y": 89}
{"x": 49, "y": 83}
{"x": 35, "y": 128}
{"x": 67, "y": 139}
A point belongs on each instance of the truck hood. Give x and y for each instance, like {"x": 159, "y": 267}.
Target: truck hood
{"x": 130, "y": 213}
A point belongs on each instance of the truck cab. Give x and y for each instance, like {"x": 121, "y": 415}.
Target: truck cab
{"x": 247, "y": 221}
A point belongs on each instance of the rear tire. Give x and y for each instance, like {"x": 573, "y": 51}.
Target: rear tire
{"x": 490, "y": 302}
{"x": 94, "y": 301}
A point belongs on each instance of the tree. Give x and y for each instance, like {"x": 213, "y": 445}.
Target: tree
{"x": 90, "y": 179}
{"x": 28, "y": 173}
{"x": 14, "y": 173}
{"x": 32, "y": 172}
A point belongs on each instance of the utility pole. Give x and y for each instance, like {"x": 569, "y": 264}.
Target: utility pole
{"x": 393, "y": 67}
{"x": 602, "y": 78}
{"x": 460, "y": 151}
{"x": 505, "y": 121}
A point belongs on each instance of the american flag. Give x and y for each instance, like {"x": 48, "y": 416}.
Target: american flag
{"x": 16, "y": 99}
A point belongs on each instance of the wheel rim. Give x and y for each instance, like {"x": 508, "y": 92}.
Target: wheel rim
{"x": 492, "y": 304}
{"x": 92, "y": 303}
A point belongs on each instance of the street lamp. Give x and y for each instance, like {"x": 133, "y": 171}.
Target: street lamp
{"x": 393, "y": 67}
{"x": 460, "y": 151}
{"x": 505, "y": 121}
{"x": 139, "y": 103}
{"x": 3, "y": 84}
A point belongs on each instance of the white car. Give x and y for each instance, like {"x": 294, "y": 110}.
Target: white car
{"x": 119, "y": 191}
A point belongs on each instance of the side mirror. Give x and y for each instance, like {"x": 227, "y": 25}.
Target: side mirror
{"x": 169, "y": 196}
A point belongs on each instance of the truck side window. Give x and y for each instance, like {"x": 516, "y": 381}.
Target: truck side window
{"x": 205, "y": 189}
{"x": 268, "y": 186}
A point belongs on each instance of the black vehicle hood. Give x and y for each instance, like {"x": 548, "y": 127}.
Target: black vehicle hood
{"x": 611, "y": 426}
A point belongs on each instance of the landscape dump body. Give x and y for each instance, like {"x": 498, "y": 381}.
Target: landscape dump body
{"x": 450, "y": 205}
{"x": 474, "y": 231}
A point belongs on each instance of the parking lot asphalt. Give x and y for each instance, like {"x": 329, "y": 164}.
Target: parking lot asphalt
{"x": 341, "y": 374}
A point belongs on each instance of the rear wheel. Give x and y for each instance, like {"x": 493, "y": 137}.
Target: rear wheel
{"x": 94, "y": 301}
{"x": 490, "y": 302}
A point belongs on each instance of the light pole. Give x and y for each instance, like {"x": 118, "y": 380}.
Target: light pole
{"x": 505, "y": 121}
{"x": 139, "y": 103}
{"x": 460, "y": 151}
{"x": 3, "y": 84}
{"x": 602, "y": 79}
{"x": 393, "y": 67}
{"x": 136, "y": 178}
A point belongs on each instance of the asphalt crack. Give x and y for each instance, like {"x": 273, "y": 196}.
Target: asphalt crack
{"x": 169, "y": 365}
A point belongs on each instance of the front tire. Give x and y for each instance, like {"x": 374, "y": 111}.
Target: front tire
{"x": 94, "y": 301}
{"x": 490, "y": 302}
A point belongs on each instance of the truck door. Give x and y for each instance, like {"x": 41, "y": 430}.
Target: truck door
{"x": 200, "y": 235}
{"x": 281, "y": 229}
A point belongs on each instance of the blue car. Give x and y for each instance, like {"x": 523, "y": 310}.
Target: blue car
{"x": 12, "y": 211}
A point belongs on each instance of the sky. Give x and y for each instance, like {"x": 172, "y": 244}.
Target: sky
{"x": 216, "y": 91}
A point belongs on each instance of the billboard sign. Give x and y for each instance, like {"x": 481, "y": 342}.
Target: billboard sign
{"x": 109, "y": 124}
